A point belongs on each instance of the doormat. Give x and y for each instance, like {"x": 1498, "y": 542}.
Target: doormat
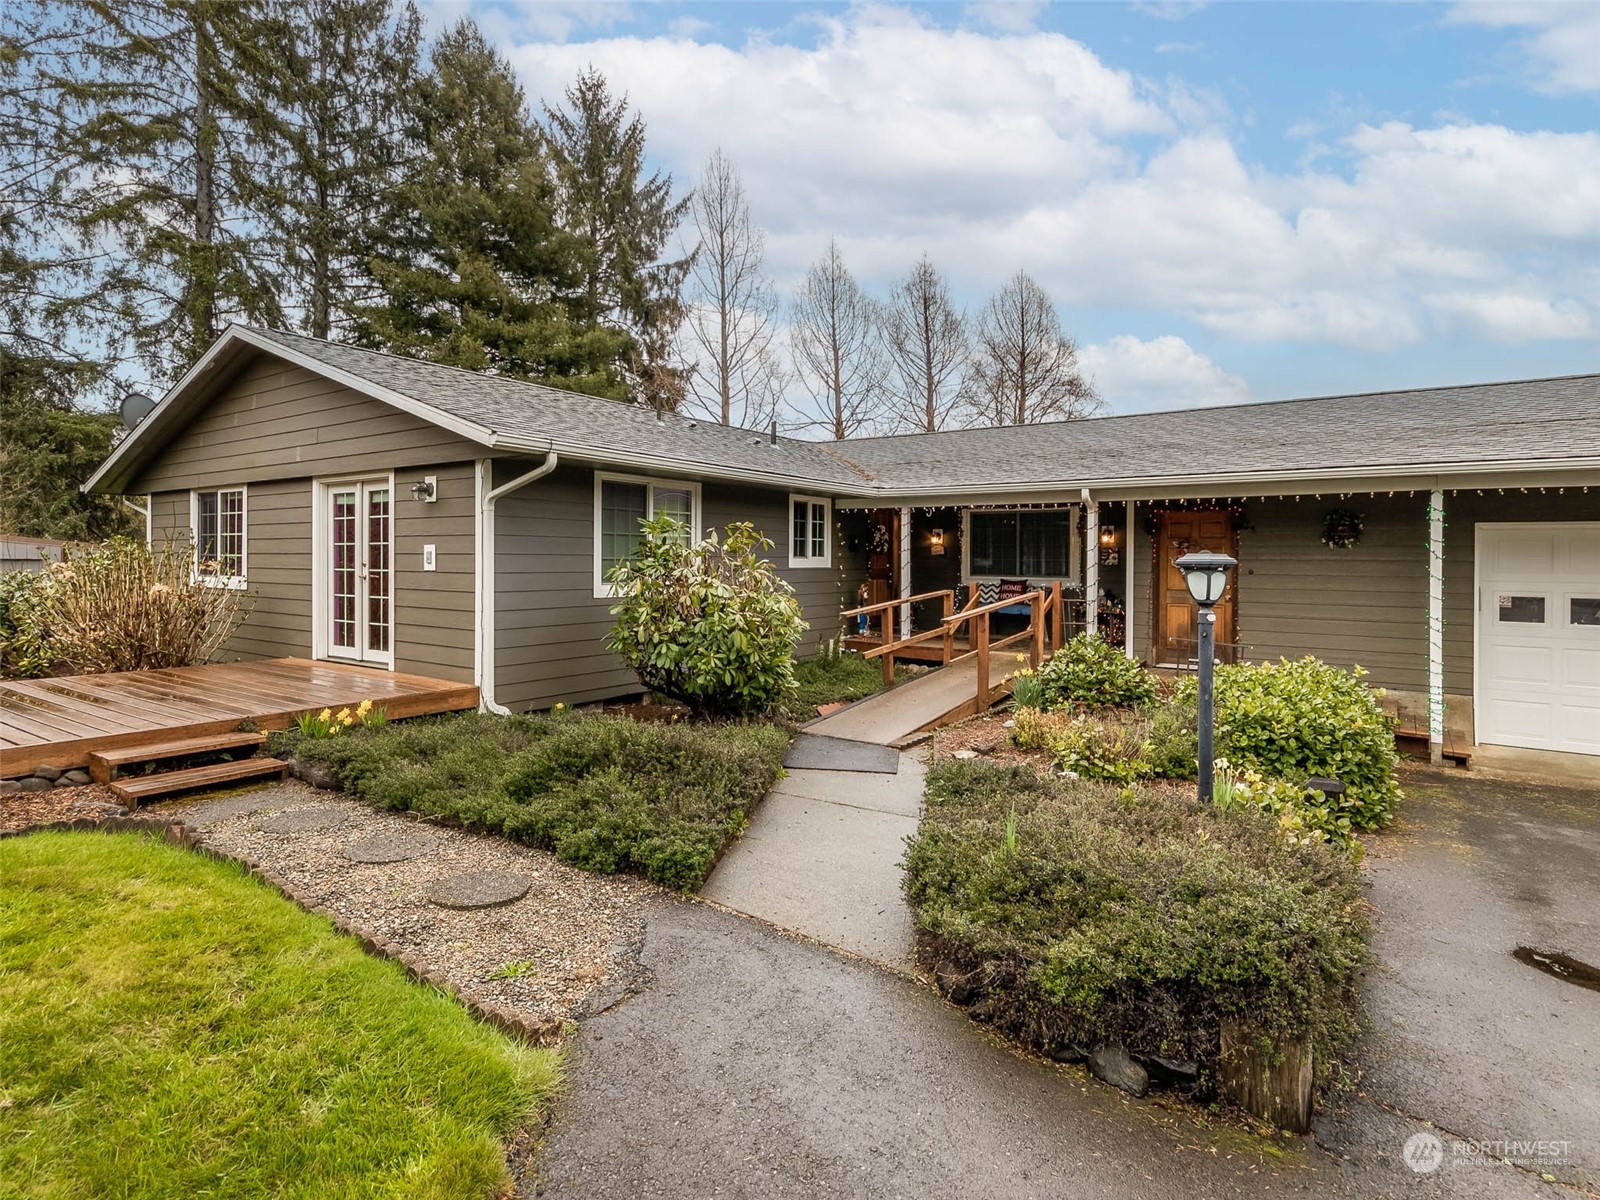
{"x": 813, "y": 752}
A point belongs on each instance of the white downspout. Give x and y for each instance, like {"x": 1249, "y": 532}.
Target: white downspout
{"x": 905, "y": 571}
{"x": 143, "y": 512}
{"x": 1091, "y": 565}
{"x": 484, "y": 577}
{"x": 1436, "y": 627}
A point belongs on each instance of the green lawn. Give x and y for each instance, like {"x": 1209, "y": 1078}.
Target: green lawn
{"x": 830, "y": 679}
{"x": 170, "y": 1027}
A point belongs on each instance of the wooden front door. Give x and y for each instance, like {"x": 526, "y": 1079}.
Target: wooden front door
{"x": 1179, "y": 532}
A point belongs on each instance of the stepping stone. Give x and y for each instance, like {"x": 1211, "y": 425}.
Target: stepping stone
{"x": 388, "y": 848}
{"x": 480, "y": 889}
{"x": 817, "y": 752}
{"x": 303, "y": 820}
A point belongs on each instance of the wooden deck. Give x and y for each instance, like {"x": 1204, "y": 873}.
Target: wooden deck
{"x": 59, "y": 722}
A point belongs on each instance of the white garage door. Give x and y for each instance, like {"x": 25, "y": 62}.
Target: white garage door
{"x": 1539, "y": 635}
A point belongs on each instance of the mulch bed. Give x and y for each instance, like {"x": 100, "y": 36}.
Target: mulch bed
{"x": 990, "y": 738}
{"x": 645, "y": 710}
{"x": 23, "y": 810}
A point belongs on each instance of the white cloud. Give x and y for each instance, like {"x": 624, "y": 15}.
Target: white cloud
{"x": 1165, "y": 372}
{"x": 1007, "y": 150}
{"x": 1011, "y": 16}
{"x": 1562, "y": 44}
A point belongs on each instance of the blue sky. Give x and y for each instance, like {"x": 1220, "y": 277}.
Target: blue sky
{"x": 1228, "y": 201}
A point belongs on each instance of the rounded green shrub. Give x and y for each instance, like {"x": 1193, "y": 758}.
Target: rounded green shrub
{"x": 1089, "y": 671}
{"x": 1302, "y": 718}
{"x": 709, "y": 623}
{"x": 1084, "y": 913}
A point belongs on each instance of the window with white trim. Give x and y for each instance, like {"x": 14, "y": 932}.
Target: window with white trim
{"x": 621, "y": 503}
{"x": 810, "y": 526}
{"x": 218, "y": 519}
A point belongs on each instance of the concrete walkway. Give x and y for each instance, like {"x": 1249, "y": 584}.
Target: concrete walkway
{"x": 822, "y": 858}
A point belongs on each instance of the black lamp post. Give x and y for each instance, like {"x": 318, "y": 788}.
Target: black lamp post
{"x": 1206, "y": 573}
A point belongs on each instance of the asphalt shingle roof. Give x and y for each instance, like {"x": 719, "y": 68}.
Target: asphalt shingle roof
{"x": 529, "y": 415}
{"x": 1542, "y": 420}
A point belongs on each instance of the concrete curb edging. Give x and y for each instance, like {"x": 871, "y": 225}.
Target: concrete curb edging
{"x": 501, "y": 1017}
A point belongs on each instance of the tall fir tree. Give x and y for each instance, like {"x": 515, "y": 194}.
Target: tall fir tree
{"x": 139, "y": 121}
{"x": 335, "y": 145}
{"x": 472, "y": 264}
{"x": 623, "y": 220}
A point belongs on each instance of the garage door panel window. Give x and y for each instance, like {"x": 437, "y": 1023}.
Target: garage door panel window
{"x": 1513, "y": 609}
{"x": 1583, "y": 610}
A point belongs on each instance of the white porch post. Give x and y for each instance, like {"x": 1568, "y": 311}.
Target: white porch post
{"x": 1127, "y": 587}
{"x": 905, "y": 571}
{"x": 1436, "y": 626}
{"x": 1091, "y": 564}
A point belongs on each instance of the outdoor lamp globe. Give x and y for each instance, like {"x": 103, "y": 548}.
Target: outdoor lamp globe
{"x": 1206, "y": 573}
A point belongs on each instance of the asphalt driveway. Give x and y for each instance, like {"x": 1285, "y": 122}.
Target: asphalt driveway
{"x": 1463, "y": 1034}
{"x": 754, "y": 1063}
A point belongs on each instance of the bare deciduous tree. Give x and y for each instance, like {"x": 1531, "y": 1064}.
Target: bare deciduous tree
{"x": 928, "y": 346}
{"x": 1024, "y": 368}
{"x": 837, "y": 351}
{"x": 735, "y": 377}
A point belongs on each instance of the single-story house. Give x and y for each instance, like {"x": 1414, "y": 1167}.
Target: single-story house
{"x": 422, "y": 518}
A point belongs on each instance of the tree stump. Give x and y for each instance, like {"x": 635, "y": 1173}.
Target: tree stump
{"x": 1275, "y": 1086}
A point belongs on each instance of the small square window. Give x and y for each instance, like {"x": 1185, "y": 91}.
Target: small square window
{"x": 1520, "y": 610}
{"x": 1584, "y": 610}
{"x": 809, "y": 543}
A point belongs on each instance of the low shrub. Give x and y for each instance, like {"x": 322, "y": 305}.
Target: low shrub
{"x": 1300, "y": 719}
{"x": 25, "y": 652}
{"x": 1090, "y": 672}
{"x": 710, "y": 623}
{"x": 123, "y": 606}
{"x": 832, "y": 677}
{"x": 1300, "y": 814}
{"x": 1085, "y": 746}
{"x": 1084, "y": 914}
{"x": 604, "y": 793}
{"x": 1172, "y": 740}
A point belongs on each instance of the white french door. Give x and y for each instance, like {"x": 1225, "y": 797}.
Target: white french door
{"x": 354, "y": 571}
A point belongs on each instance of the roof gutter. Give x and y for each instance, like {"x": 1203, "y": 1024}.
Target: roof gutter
{"x": 488, "y": 497}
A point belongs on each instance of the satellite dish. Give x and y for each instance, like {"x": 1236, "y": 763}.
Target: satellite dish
{"x": 135, "y": 407}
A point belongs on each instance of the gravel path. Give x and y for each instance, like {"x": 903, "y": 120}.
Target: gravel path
{"x": 566, "y": 948}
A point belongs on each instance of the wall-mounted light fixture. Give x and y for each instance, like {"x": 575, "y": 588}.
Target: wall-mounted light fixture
{"x": 1108, "y": 535}
{"x": 426, "y": 489}
{"x": 936, "y": 541}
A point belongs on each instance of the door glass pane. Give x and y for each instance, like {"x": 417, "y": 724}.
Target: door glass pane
{"x": 819, "y": 531}
{"x": 342, "y": 507}
{"x": 1521, "y": 610}
{"x": 677, "y": 503}
{"x": 622, "y": 507}
{"x": 1585, "y": 610}
{"x": 378, "y": 570}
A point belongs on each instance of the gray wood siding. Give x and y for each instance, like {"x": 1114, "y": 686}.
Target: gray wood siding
{"x": 433, "y": 610}
{"x": 550, "y": 628}
{"x": 278, "y": 421}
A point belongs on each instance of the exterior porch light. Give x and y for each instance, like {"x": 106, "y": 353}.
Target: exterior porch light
{"x": 1206, "y": 574}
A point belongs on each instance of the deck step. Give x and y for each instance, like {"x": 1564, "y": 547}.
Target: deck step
{"x": 103, "y": 764}
{"x": 147, "y": 787}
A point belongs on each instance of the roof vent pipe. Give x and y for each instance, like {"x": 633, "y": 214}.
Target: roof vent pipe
{"x": 774, "y": 431}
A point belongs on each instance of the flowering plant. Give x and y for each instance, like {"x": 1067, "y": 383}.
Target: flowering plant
{"x": 328, "y": 723}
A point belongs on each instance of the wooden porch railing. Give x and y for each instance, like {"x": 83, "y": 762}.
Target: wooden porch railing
{"x": 884, "y": 610}
{"x": 1047, "y": 625}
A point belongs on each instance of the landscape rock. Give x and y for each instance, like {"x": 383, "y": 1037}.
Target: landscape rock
{"x": 75, "y": 778}
{"x": 1170, "y": 1072}
{"x": 34, "y": 783}
{"x": 389, "y": 847}
{"x": 1068, "y": 1052}
{"x": 965, "y": 755}
{"x": 318, "y": 775}
{"x": 7, "y": 786}
{"x": 1113, "y": 1065}
{"x": 956, "y": 985}
{"x": 47, "y": 773}
{"x": 983, "y": 1010}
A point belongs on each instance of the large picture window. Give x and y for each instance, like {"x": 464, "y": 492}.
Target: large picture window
{"x": 621, "y": 503}
{"x": 809, "y": 521}
{"x": 219, "y": 535}
{"x": 1033, "y": 544}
